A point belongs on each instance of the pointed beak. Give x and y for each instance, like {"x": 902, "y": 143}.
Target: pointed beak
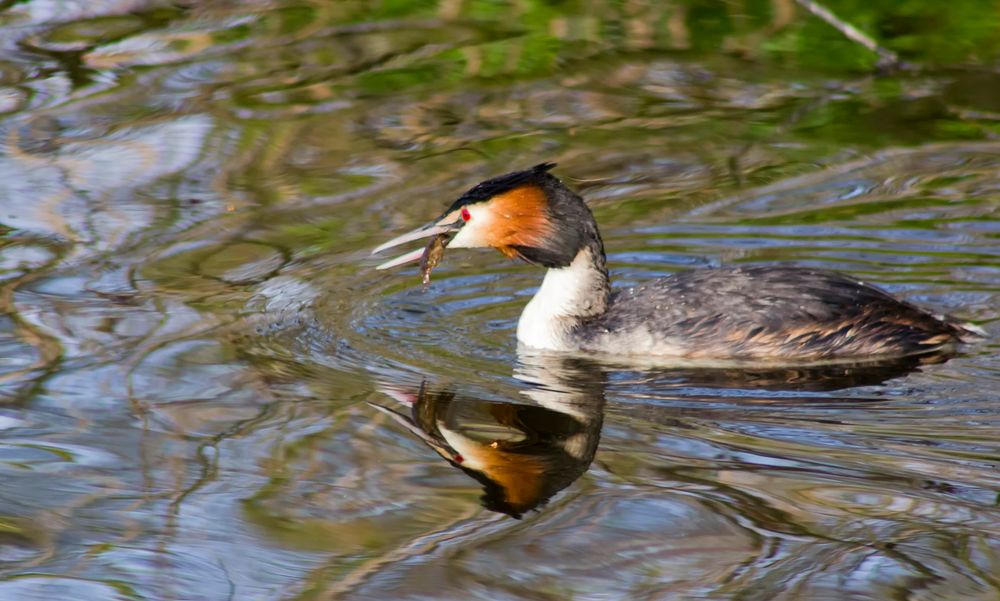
{"x": 438, "y": 445}
{"x": 432, "y": 229}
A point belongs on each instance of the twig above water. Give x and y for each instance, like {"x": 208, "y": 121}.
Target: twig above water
{"x": 887, "y": 58}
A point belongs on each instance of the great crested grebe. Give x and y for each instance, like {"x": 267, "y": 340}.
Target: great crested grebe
{"x": 771, "y": 313}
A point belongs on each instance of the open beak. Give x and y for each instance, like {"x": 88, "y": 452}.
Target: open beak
{"x": 438, "y": 445}
{"x": 426, "y": 231}
{"x": 411, "y": 399}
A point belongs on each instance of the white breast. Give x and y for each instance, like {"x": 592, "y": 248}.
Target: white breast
{"x": 566, "y": 295}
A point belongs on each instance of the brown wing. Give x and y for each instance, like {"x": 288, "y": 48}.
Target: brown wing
{"x": 780, "y": 312}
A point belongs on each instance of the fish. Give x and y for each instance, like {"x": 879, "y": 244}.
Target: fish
{"x": 432, "y": 256}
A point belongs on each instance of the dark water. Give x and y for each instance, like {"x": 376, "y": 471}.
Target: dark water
{"x": 208, "y": 393}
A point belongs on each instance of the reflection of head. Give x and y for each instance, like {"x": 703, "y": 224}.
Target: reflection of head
{"x": 522, "y": 454}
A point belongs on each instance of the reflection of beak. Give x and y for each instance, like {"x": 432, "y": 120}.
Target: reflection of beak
{"x": 442, "y": 447}
{"x": 426, "y": 231}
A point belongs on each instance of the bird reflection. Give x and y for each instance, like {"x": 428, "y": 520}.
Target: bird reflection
{"x": 522, "y": 453}
{"x": 808, "y": 378}
{"x": 526, "y": 451}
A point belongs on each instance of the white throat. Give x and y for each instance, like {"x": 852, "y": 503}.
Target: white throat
{"x": 567, "y": 294}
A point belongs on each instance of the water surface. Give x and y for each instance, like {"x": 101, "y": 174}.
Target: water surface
{"x": 208, "y": 393}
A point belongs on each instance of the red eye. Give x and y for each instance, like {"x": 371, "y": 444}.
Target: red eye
{"x": 465, "y": 214}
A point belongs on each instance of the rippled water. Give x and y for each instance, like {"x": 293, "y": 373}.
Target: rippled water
{"x": 208, "y": 393}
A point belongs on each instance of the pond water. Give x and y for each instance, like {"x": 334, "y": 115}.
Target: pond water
{"x": 207, "y": 392}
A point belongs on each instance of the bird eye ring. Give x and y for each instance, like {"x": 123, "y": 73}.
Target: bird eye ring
{"x": 465, "y": 214}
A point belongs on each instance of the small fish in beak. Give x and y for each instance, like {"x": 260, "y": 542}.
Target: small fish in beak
{"x": 431, "y": 257}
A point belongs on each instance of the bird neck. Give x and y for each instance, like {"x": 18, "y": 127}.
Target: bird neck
{"x": 567, "y": 296}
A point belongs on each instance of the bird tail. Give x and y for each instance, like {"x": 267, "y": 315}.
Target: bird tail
{"x": 966, "y": 331}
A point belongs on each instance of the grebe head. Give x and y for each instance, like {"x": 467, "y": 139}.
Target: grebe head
{"x": 527, "y": 214}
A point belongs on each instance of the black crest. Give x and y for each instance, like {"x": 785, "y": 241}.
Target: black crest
{"x": 504, "y": 183}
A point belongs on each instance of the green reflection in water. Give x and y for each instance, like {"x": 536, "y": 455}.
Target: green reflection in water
{"x": 193, "y": 332}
